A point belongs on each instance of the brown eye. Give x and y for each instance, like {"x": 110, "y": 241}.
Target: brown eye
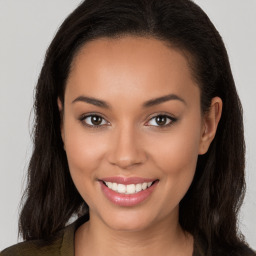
{"x": 94, "y": 121}
{"x": 161, "y": 121}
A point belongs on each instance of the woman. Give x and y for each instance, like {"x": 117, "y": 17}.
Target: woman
{"x": 139, "y": 133}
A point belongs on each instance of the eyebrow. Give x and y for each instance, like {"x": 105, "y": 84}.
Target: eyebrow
{"x": 93, "y": 101}
{"x": 149, "y": 103}
{"x": 162, "y": 99}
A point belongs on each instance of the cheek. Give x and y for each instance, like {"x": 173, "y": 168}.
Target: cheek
{"x": 177, "y": 152}
{"x": 181, "y": 153}
{"x": 176, "y": 158}
{"x": 84, "y": 151}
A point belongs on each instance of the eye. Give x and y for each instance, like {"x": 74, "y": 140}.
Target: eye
{"x": 161, "y": 120}
{"x": 93, "y": 121}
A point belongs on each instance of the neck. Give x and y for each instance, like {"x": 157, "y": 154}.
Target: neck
{"x": 165, "y": 238}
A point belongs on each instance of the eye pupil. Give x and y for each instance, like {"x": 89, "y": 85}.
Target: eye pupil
{"x": 161, "y": 120}
{"x": 96, "y": 120}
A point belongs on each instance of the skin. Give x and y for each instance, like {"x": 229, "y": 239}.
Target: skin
{"x": 125, "y": 73}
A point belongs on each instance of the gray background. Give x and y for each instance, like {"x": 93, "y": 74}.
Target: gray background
{"x": 26, "y": 29}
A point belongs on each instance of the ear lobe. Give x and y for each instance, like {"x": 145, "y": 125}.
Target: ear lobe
{"x": 60, "y": 107}
{"x": 210, "y": 124}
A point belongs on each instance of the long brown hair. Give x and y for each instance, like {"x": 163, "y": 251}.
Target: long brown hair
{"x": 209, "y": 209}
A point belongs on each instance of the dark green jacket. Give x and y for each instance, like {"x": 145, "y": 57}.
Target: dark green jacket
{"x": 63, "y": 245}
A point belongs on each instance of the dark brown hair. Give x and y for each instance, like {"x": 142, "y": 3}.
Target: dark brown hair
{"x": 209, "y": 209}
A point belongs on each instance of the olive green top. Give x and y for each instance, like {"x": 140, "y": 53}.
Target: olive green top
{"x": 61, "y": 245}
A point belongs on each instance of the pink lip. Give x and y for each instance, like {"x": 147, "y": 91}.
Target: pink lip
{"x": 127, "y": 199}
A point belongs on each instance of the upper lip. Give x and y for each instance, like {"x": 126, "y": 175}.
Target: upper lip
{"x": 126, "y": 180}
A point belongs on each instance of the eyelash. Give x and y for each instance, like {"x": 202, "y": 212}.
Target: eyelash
{"x": 83, "y": 117}
{"x": 171, "y": 122}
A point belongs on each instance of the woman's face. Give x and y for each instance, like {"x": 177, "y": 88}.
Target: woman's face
{"x": 132, "y": 130}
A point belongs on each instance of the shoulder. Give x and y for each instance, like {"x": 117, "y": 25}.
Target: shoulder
{"x": 31, "y": 248}
{"x": 244, "y": 250}
{"x": 61, "y": 244}
{"x": 239, "y": 249}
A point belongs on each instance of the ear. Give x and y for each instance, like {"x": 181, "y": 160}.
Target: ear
{"x": 210, "y": 124}
{"x": 60, "y": 107}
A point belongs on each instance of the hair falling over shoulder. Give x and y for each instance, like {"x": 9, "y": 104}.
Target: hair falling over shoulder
{"x": 209, "y": 209}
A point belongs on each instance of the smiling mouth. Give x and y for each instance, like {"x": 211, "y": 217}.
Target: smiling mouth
{"x": 128, "y": 189}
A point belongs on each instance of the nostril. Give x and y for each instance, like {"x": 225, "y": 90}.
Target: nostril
{"x": 126, "y": 163}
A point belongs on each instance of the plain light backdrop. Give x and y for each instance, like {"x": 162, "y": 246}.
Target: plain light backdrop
{"x": 26, "y": 29}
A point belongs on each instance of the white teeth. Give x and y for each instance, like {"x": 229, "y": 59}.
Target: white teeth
{"x": 121, "y": 188}
{"x": 138, "y": 187}
{"x": 128, "y": 189}
{"x": 144, "y": 186}
{"x": 109, "y": 184}
{"x": 114, "y": 186}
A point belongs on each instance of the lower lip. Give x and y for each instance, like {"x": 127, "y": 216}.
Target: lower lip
{"x": 127, "y": 199}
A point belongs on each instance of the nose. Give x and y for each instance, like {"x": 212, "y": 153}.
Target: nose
{"x": 126, "y": 148}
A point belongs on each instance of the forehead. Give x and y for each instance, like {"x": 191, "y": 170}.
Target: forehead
{"x": 131, "y": 66}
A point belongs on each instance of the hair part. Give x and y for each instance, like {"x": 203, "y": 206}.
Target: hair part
{"x": 209, "y": 209}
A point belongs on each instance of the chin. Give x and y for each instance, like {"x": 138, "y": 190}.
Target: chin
{"x": 128, "y": 221}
